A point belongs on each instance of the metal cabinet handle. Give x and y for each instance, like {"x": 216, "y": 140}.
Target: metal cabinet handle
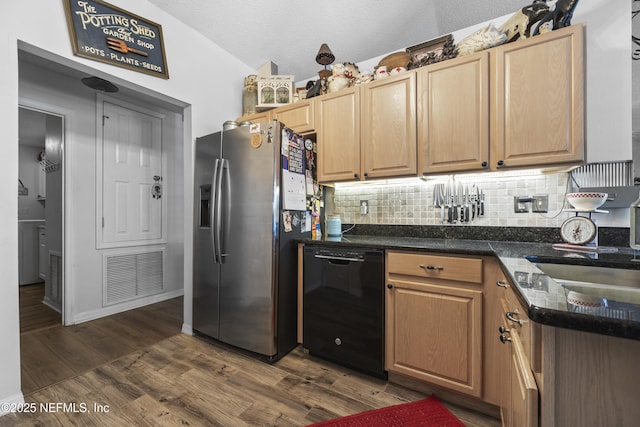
{"x": 431, "y": 267}
{"x": 504, "y": 339}
{"x": 502, "y": 284}
{"x": 509, "y": 315}
{"x": 503, "y": 330}
{"x": 389, "y": 286}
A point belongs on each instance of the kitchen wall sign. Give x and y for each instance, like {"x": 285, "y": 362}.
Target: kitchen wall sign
{"x": 106, "y": 33}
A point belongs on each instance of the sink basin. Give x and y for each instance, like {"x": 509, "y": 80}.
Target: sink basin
{"x": 592, "y": 274}
{"x": 616, "y": 285}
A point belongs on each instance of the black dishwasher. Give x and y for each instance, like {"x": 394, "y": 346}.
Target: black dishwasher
{"x": 343, "y": 306}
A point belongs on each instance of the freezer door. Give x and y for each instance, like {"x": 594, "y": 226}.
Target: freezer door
{"x": 205, "y": 270}
{"x": 250, "y": 223}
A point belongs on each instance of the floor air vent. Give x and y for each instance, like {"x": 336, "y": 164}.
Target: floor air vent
{"x": 133, "y": 276}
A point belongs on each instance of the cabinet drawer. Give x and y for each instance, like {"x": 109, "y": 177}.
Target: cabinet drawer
{"x": 435, "y": 266}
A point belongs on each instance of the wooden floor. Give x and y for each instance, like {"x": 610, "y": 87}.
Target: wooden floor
{"x": 136, "y": 368}
{"x": 35, "y": 315}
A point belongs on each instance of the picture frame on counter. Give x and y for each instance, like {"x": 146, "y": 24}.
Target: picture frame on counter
{"x": 103, "y": 32}
{"x": 430, "y": 52}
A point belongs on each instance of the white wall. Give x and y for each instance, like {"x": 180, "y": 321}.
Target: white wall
{"x": 608, "y": 75}
{"x": 203, "y": 78}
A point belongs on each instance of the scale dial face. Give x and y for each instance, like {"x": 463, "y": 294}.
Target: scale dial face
{"x": 578, "y": 230}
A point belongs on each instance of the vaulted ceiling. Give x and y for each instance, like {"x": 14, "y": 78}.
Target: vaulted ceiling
{"x": 290, "y": 32}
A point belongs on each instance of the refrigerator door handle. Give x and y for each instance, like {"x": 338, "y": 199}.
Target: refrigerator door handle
{"x": 215, "y": 192}
{"x": 218, "y": 226}
{"x": 226, "y": 198}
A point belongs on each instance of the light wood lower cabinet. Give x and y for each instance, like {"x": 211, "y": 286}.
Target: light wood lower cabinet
{"x": 588, "y": 380}
{"x": 495, "y": 353}
{"x": 434, "y": 325}
{"x": 519, "y": 405}
{"x": 522, "y": 409}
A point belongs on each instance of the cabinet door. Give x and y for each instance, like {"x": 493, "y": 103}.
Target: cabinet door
{"x": 496, "y": 353}
{"x": 434, "y": 333}
{"x": 262, "y": 117}
{"x": 538, "y": 110}
{"x": 338, "y": 135}
{"x": 523, "y": 407}
{"x": 453, "y": 115}
{"x": 389, "y": 141}
{"x": 297, "y": 117}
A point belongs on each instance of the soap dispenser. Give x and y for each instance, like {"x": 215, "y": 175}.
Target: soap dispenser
{"x": 635, "y": 224}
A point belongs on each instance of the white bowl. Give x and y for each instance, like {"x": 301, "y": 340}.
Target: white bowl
{"x": 587, "y": 201}
{"x": 584, "y": 300}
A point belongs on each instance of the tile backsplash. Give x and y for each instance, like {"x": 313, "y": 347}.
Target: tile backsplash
{"x": 410, "y": 202}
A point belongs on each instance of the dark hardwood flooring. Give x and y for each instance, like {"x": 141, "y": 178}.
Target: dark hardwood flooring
{"x": 35, "y": 315}
{"x": 136, "y": 368}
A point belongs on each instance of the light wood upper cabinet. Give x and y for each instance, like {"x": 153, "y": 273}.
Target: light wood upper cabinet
{"x": 434, "y": 325}
{"x": 389, "y": 141}
{"x": 538, "y": 106}
{"x": 298, "y": 116}
{"x": 338, "y": 135}
{"x": 453, "y": 115}
{"x": 262, "y": 117}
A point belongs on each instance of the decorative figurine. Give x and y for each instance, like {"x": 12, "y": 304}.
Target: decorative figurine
{"x": 250, "y": 95}
{"x": 559, "y": 17}
{"x": 351, "y": 72}
{"x": 324, "y": 57}
{"x": 337, "y": 80}
{"x": 480, "y": 40}
{"x": 520, "y": 24}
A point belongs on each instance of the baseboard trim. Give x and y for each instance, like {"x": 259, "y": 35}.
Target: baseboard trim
{"x": 126, "y": 306}
{"x": 51, "y": 304}
{"x": 11, "y": 404}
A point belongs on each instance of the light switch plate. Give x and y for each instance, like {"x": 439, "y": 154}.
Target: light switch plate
{"x": 520, "y": 207}
{"x": 540, "y": 203}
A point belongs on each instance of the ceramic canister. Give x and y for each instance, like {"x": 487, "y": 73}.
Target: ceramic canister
{"x": 334, "y": 225}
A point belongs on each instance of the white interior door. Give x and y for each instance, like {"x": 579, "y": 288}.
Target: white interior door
{"x": 132, "y": 202}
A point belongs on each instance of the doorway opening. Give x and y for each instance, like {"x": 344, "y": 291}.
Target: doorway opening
{"x": 40, "y": 218}
{"x": 53, "y": 85}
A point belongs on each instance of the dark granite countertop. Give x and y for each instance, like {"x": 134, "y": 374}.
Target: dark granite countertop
{"x": 545, "y": 297}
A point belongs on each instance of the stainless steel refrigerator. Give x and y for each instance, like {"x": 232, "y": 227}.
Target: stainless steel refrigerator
{"x": 245, "y": 251}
